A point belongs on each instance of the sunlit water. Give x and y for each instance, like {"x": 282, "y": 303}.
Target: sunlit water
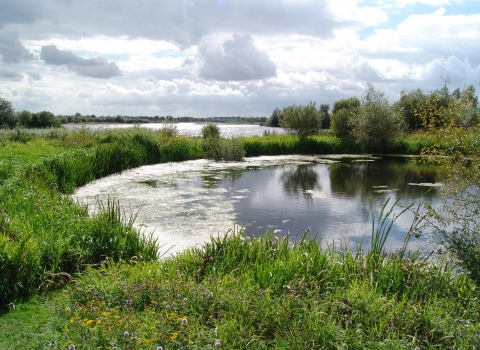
{"x": 331, "y": 197}
{"x": 189, "y": 129}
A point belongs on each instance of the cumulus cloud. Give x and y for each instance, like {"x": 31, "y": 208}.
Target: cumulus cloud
{"x": 12, "y": 50}
{"x": 97, "y": 67}
{"x": 236, "y": 60}
{"x": 10, "y": 74}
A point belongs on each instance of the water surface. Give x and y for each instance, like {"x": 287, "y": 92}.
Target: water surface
{"x": 332, "y": 197}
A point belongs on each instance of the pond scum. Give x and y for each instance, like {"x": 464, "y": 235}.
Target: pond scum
{"x": 70, "y": 281}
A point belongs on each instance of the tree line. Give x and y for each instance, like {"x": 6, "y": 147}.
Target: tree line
{"x": 372, "y": 119}
{"x": 9, "y": 118}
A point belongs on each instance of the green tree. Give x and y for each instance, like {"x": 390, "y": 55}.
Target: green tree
{"x": 44, "y": 119}
{"x": 376, "y": 122}
{"x": 457, "y": 221}
{"x": 324, "y": 116}
{"x": 7, "y": 114}
{"x": 24, "y": 118}
{"x": 302, "y": 121}
{"x": 407, "y": 106}
{"x": 342, "y": 114}
{"x": 276, "y": 118}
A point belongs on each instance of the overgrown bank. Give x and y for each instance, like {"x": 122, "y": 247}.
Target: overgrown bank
{"x": 46, "y": 239}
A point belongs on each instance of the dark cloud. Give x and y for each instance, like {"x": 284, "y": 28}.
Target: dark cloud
{"x": 12, "y": 50}
{"x": 10, "y": 74}
{"x": 97, "y": 67}
{"x": 238, "y": 59}
{"x": 182, "y": 21}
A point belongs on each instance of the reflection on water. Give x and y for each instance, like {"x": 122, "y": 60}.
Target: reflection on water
{"x": 332, "y": 197}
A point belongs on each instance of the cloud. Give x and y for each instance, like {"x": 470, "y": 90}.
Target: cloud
{"x": 12, "y": 50}
{"x": 35, "y": 76}
{"x": 97, "y": 67}
{"x": 236, "y": 60}
{"x": 10, "y": 74}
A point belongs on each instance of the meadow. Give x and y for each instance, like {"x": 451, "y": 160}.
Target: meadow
{"x": 71, "y": 281}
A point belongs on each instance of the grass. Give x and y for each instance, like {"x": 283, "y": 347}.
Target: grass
{"x": 234, "y": 292}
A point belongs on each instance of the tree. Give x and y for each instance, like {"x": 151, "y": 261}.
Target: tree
{"x": 44, "y": 119}
{"x": 276, "y": 118}
{"x": 376, "y": 123}
{"x": 24, "y": 118}
{"x": 407, "y": 106}
{"x": 302, "y": 121}
{"x": 324, "y": 116}
{"x": 457, "y": 221}
{"x": 342, "y": 114}
{"x": 7, "y": 114}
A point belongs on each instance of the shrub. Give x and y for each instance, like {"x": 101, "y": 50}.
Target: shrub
{"x": 376, "y": 123}
{"x": 7, "y": 114}
{"x": 342, "y": 114}
{"x": 302, "y": 121}
{"x": 210, "y": 130}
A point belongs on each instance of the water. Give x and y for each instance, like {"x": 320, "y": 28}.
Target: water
{"x": 330, "y": 196}
{"x": 190, "y": 129}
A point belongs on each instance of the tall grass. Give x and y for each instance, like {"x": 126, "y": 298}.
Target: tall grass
{"x": 44, "y": 236}
{"x": 267, "y": 293}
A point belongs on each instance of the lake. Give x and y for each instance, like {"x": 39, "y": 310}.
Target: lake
{"x": 189, "y": 129}
{"x": 332, "y": 197}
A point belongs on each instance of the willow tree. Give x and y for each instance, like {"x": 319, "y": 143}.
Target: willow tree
{"x": 301, "y": 120}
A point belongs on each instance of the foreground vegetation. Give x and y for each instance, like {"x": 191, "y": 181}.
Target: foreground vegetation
{"x": 232, "y": 293}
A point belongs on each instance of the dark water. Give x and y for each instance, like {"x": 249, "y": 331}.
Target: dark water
{"x": 332, "y": 198}
{"x": 329, "y": 200}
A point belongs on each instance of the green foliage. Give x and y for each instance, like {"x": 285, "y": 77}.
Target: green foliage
{"x": 44, "y": 119}
{"x": 408, "y": 105}
{"x": 7, "y": 114}
{"x": 440, "y": 109}
{"x": 341, "y": 124}
{"x": 228, "y": 150}
{"x": 457, "y": 220}
{"x": 24, "y": 118}
{"x": 376, "y": 123}
{"x": 210, "y": 130}
{"x": 276, "y": 118}
{"x": 302, "y": 121}
{"x": 343, "y": 112}
{"x": 169, "y": 130}
{"x": 324, "y": 116}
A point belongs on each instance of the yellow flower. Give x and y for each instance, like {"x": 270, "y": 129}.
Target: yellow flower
{"x": 174, "y": 336}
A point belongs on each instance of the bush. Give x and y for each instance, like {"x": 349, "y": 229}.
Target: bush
{"x": 169, "y": 130}
{"x": 376, "y": 123}
{"x": 342, "y": 114}
{"x": 302, "y": 121}
{"x": 7, "y": 114}
{"x": 210, "y": 130}
{"x": 456, "y": 222}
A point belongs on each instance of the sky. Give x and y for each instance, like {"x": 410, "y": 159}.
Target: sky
{"x": 209, "y": 58}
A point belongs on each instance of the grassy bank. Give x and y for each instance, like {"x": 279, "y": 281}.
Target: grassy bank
{"x": 258, "y": 294}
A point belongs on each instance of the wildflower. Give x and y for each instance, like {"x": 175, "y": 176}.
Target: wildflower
{"x": 184, "y": 321}
{"x": 134, "y": 336}
{"x": 360, "y": 325}
{"x": 126, "y": 334}
{"x": 71, "y": 347}
{"x": 159, "y": 348}
{"x": 217, "y": 343}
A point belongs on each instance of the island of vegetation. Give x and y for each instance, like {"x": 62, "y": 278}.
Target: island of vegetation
{"x": 69, "y": 280}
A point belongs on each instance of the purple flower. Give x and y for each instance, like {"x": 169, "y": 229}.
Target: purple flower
{"x": 217, "y": 343}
